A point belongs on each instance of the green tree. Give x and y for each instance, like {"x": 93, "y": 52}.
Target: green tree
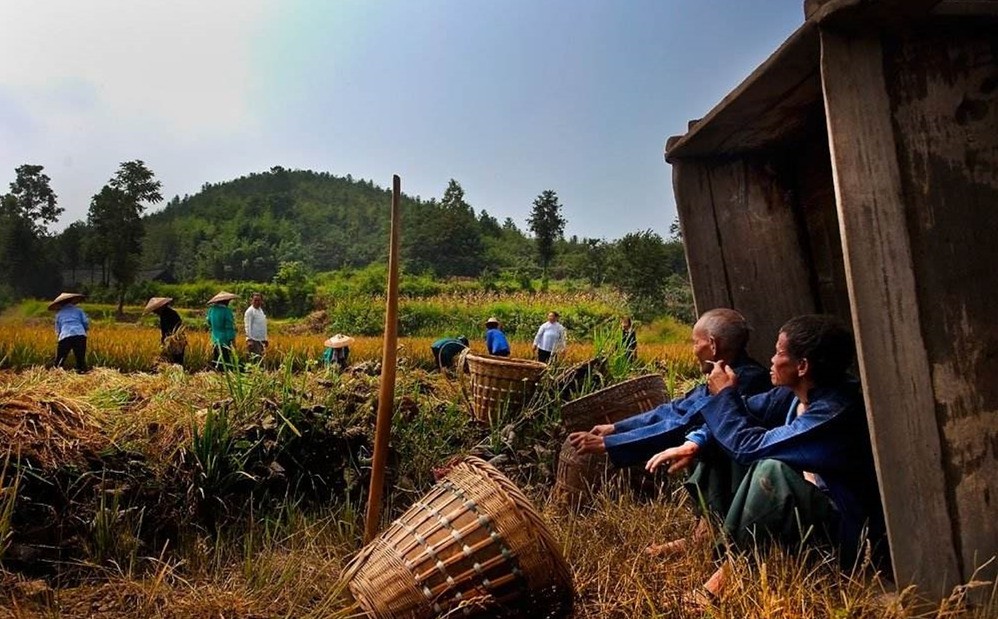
{"x": 547, "y": 224}
{"x": 71, "y": 245}
{"x": 115, "y": 217}
{"x": 25, "y": 214}
{"x": 445, "y": 237}
{"x": 640, "y": 268}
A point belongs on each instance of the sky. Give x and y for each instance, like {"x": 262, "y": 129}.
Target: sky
{"x": 508, "y": 97}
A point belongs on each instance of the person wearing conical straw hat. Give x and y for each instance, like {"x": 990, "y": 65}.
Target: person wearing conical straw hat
{"x": 495, "y": 339}
{"x": 71, "y": 327}
{"x": 170, "y": 325}
{"x": 223, "y": 329}
{"x": 337, "y": 350}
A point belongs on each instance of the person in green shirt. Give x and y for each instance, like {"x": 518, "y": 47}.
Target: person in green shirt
{"x": 223, "y": 329}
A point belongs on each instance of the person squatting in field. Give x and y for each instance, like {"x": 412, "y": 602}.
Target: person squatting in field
{"x": 223, "y": 329}
{"x": 796, "y": 462}
{"x": 720, "y": 335}
{"x": 71, "y": 327}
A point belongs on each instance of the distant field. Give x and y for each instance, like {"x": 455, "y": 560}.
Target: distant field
{"x": 135, "y": 347}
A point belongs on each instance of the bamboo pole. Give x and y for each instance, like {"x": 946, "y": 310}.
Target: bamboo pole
{"x": 389, "y": 364}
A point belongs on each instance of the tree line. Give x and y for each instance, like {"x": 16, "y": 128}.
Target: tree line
{"x": 260, "y": 226}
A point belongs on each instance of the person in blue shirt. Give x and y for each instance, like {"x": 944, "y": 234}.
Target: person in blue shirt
{"x": 812, "y": 475}
{"x": 495, "y": 339}
{"x": 71, "y": 327}
{"x": 719, "y": 335}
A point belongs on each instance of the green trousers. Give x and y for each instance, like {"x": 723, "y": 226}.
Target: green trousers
{"x": 765, "y": 502}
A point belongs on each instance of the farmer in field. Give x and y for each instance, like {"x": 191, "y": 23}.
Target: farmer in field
{"x": 550, "y": 339}
{"x": 446, "y": 349}
{"x": 71, "y": 326}
{"x": 811, "y": 477}
{"x": 629, "y": 338}
{"x": 337, "y": 351}
{"x": 172, "y": 337}
{"x": 495, "y": 339}
{"x": 719, "y": 336}
{"x": 255, "y": 323}
{"x": 223, "y": 329}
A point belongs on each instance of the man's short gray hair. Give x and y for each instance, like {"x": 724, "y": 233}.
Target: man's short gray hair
{"x": 728, "y": 327}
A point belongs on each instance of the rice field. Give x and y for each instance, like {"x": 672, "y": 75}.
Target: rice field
{"x": 136, "y": 348}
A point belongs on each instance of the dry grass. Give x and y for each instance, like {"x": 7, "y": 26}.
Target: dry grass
{"x": 286, "y": 563}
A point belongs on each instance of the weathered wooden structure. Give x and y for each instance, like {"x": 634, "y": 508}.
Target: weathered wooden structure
{"x": 855, "y": 172}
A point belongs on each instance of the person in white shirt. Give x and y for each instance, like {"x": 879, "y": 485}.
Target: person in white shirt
{"x": 256, "y": 327}
{"x": 550, "y": 338}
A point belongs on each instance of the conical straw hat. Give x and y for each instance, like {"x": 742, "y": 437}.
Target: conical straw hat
{"x": 66, "y": 297}
{"x": 492, "y": 319}
{"x": 222, "y": 296}
{"x": 157, "y": 302}
{"x": 338, "y": 341}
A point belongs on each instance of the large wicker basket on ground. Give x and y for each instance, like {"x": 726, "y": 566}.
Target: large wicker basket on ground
{"x": 614, "y": 403}
{"x": 473, "y": 546}
{"x": 579, "y": 475}
{"x": 498, "y": 384}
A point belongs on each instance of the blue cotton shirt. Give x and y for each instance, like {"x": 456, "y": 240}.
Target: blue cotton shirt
{"x": 638, "y": 438}
{"x": 495, "y": 342}
{"x": 70, "y": 321}
{"x": 830, "y": 439}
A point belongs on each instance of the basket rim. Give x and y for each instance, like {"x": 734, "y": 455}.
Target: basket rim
{"x": 602, "y": 392}
{"x": 506, "y": 361}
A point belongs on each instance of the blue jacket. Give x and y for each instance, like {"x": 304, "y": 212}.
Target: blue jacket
{"x": 638, "y": 438}
{"x": 831, "y": 440}
{"x": 495, "y": 342}
{"x": 71, "y": 321}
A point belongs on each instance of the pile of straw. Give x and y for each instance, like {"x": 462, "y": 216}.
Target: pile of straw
{"x": 46, "y": 429}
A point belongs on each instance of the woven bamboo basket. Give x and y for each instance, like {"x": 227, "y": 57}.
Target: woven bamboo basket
{"x": 614, "y": 403}
{"x": 497, "y": 384}
{"x": 578, "y": 475}
{"x": 473, "y": 546}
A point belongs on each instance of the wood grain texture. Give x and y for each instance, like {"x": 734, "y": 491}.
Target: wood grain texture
{"x": 892, "y": 357}
{"x": 708, "y": 274}
{"x": 943, "y": 86}
{"x": 743, "y": 244}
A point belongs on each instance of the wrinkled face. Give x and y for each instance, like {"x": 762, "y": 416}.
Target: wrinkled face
{"x": 784, "y": 371}
{"x": 703, "y": 348}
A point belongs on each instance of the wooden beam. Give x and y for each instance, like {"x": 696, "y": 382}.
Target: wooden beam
{"x": 821, "y": 10}
{"x": 893, "y": 362}
{"x": 764, "y": 108}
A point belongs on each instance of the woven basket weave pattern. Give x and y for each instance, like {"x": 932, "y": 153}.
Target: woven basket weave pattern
{"x": 578, "y": 476}
{"x": 614, "y": 403}
{"x": 501, "y": 384}
{"x": 472, "y": 543}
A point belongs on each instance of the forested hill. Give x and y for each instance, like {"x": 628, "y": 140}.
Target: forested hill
{"x": 244, "y": 228}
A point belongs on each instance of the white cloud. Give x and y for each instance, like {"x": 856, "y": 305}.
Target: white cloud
{"x": 183, "y": 66}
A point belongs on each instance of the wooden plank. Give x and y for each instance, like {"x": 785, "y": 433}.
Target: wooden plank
{"x": 701, "y": 238}
{"x": 943, "y": 87}
{"x": 767, "y": 268}
{"x": 967, "y": 8}
{"x": 858, "y": 12}
{"x": 768, "y": 98}
{"x": 886, "y": 321}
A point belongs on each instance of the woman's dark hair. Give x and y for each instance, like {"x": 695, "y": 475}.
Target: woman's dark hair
{"x": 824, "y": 341}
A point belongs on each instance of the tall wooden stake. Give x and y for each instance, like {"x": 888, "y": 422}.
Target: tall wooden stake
{"x": 389, "y": 362}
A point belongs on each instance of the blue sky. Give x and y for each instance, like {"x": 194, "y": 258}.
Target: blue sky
{"x": 508, "y": 97}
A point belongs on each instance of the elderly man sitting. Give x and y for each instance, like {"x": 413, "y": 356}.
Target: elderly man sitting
{"x": 811, "y": 477}
{"x": 720, "y": 336}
